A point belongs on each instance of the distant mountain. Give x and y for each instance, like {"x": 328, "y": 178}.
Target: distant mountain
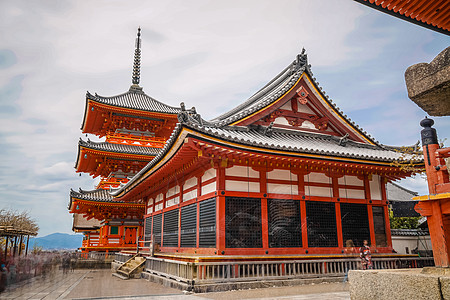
{"x": 57, "y": 241}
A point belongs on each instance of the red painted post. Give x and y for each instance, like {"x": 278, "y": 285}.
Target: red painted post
{"x": 437, "y": 207}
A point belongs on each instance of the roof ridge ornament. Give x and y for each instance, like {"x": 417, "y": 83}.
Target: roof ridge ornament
{"x": 189, "y": 115}
{"x": 300, "y": 61}
{"x": 268, "y": 131}
{"x": 343, "y": 140}
{"x": 137, "y": 64}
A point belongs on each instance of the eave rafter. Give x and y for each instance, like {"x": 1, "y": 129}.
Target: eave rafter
{"x": 102, "y": 163}
{"x": 106, "y": 210}
{"x": 196, "y": 154}
{"x": 102, "y": 119}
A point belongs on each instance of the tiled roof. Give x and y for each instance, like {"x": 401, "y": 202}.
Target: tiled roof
{"x": 268, "y": 94}
{"x": 99, "y": 195}
{"x": 299, "y": 142}
{"x": 135, "y": 99}
{"x": 275, "y": 89}
{"x": 119, "y": 148}
{"x": 280, "y": 139}
{"x": 396, "y": 192}
{"x": 409, "y": 232}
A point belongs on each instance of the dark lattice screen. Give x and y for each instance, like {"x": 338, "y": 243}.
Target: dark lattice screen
{"x": 148, "y": 231}
{"x": 243, "y": 223}
{"x": 207, "y": 224}
{"x": 285, "y": 228}
{"x": 188, "y": 226}
{"x": 379, "y": 226}
{"x": 157, "y": 226}
{"x": 170, "y": 233}
{"x": 321, "y": 223}
{"x": 355, "y": 224}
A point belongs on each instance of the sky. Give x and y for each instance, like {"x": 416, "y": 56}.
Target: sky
{"x": 209, "y": 54}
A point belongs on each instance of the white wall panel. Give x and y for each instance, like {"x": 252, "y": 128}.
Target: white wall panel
{"x": 281, "y": 121}
{"x": 242, "y": 171}
{"x": 242, "y": 186}
{"x": 209, "y": 188}
{"x": 287, "y": 106}
{"x": 281, "y": 175}
{"x": 173, "y": 191}
{"x": 317, "y": 177}
{"x": 190, "y": 183}
{"x": 375, "y": 187}
{"x": 158, "y": 207}
{"x": 158, "y": 198}
{"x": 274, "y": 188}
{"x": 189, "y": 195}
{"x": 210, "y": 173}
{"x": 318, "y": 191}
{"x": 353, "y": 194}
{"x": 350, "y": 180}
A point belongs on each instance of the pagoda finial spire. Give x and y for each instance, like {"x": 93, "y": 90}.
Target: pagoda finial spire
{"x": 137, "y": 63}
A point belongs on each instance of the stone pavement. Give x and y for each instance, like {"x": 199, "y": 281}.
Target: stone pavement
{"x": 100, "y": 284}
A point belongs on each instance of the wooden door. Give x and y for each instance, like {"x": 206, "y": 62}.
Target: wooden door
{"x": 130, "y": 235}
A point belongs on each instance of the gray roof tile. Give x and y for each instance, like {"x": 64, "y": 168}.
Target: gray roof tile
{"x": 301, "y": 142}
{"x": 119, "y": 148}
{"x": 135, "y": 99}
{"x": 99, "y": 195}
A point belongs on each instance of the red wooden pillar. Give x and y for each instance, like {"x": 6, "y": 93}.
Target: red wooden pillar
{"x": 220, "y": 224}
{"x": 335, "y": 186}
{"x": 304, "y": 224}
{"x": 197, "y": 244}
{"x": 264, "y": 209}
{"x": 436, "y": 206}
{"x": 387, "y": 223}
{"x": 220, "y": 209}
{"x": 438, "y": 218}
{"x": 265, "y": 224}
{"x": 199, "y": 184}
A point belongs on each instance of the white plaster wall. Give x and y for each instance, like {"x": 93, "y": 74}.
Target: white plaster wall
{"x": 275, "y": 188}
{"x": 190, "y": 183}
{"x": 399, "y": 243}
{"x": 172, "y": 202}
{"x": 158, "y": 198}
{"x": 210, "y": 173}
{"x": 318, "y": 191}
{"x": 308, "y": 124}
{"x": 149, "y": 209}
{"x": 317, "y": 177}
{"x": 241, "y": 186}
{"x": 242, "y": 171}
{"x": 305, "y": 109}
{"x": 150, "y": 201}
{"x": 282, "y": 175}
{"x": 173, "y": 191}
{"x": 281, "y": 121}
{"x": 190, "y": 195}
{"x": 375, "y": 188}
{"x": 287, "y": 106}
{"x": 209, "y": 188}
{"x": 352, "y": 194}
{"x": 158, "y": 207}
{"x": 350, "y": 180}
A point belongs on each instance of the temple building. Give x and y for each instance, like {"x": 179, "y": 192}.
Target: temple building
{"x": 135, "y": 128}
{"x": 285, "y": 172}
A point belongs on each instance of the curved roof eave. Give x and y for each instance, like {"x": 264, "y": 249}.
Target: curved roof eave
{"x": 225, "y": 136}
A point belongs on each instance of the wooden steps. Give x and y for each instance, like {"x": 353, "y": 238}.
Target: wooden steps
{"x": 131, "y": 268}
